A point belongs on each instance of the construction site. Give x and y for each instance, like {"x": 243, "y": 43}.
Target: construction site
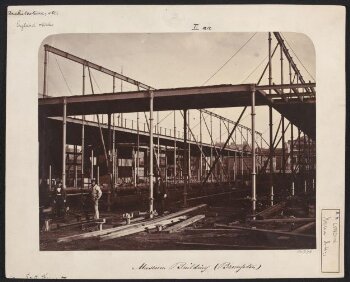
{"x": 174, "y": 172}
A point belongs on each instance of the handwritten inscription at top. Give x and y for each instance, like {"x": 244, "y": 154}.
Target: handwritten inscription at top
{"x": 32, "y": 19}
{"x": 31, "y": 13}
{"x": 198, "y": 27}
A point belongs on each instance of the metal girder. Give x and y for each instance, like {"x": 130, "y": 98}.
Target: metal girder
{"x": 200, "y": 148}
{"x": 279, "y": 93}
{"x": 228, "y": 120}
{"x": 289, "y": 57}
{"x": 223, "y": 148}
{"x": 285, "y": 86}
{"x": 100, "y": 129}
{"x": 237, "y": 149}
{"x": 95, "y": 66}
{"x": 275, "y": 146}
{"x": 290, "y": 95}
{"x": 262, "y": 75}
{"x": 114, "y": 74}
{"x": 213, "y": 145}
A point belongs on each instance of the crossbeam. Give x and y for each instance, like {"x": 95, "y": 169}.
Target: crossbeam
{"x": 95, "y": 66}
{"x": 109, "y": 72}
{"x": 223, "y": 148}
{"x": 285, "y": 86}
{"x": 289, "y": 57}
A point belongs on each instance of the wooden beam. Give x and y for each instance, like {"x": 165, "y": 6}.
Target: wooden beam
{"x": 209, "y": 229}
{"x": 290, "y": 234}
{"x": 270, "y": 210}
{"x": 285, "y": 220}
{"x": 304, "y": 227}
{"x": 110, "y": 230}
{"x": 285, "y": 86}
{"x": 226, "y": 246}
{"x": 187, "y": 222}
{"x": 137, "y": 229}
{"x": 208, "y": 196}
{"x": 100, "y": 220}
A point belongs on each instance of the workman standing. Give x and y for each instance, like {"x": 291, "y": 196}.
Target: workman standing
{"x": 159, "y": 194}
{"x": 59, "y": 199}
{"x": 96, "y": 194}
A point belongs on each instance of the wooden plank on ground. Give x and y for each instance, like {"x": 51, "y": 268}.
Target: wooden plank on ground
{"x": 209, "y": 229}
{"x": 200, "y": 244}
{"x": 184, "y": 223}
{"x": 304, "y": 227}
{"x": 133, "y": 220}
{"x": 285, "y": 220}
{"x": 89, "y": 225}
{"x": 110, "y": 230}
{"x": 187, "y": 222}
{"x": 138, "y": 229}
{"x": 101, "y": 220}
{"x": 271, "y": 210}
{"x": 290, "y": 234}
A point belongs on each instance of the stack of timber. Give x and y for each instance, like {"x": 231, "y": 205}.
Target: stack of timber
{"x": 227, "y": 246}
{"x": 285, "y": 220}
{"x": 185, "y": 223}
{"x": 305, "y": 227}
{"x": 135, "y": 227}
{"x": 285, "y": 233}
{"x": 81, "y": 223}
{"x": 270, "y": 211}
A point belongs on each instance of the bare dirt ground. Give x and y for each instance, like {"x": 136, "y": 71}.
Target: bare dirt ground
{"x": 228, "y": 209}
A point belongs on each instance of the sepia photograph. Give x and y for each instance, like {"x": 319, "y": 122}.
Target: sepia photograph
{"x": 177, "y": 141}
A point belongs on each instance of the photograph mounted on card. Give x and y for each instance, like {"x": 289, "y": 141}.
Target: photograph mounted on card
{"x": 175, "y": 142}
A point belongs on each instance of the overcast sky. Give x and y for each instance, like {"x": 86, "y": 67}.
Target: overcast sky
{"x": 174, "y": 60}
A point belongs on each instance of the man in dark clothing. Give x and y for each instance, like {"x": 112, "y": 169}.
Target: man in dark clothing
{"x": 44, "y": 201}
{"x": 159, "y": 195}
{"x": 59, "y": 199}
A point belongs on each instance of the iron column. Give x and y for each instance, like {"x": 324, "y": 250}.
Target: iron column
{"x": 185, "y": 159}
{"x": 157, "y": 129}
{"x": 271, "y": 157}
{"x": 283, "y": 138}
{"x": 75, "y": 150}
{"x": 283, "y": 148}
{"x": 175, "y": 163}
{"x": 50, "y": 178}
{"x": 138, "y": 149}
{"x": 113, "y": 157}
{"x": 201, "y": 147}
{"x": 253, "y": 154}
{"x": 45, "y": 73}
{"x": 83, "y": 136}
{"x": 151, "y": 155}
{"x": 92, "y": 165}
{"x": 189, "y": 148}
{"x": 64, "y": 142}
{"x": 271, "y": 125}
{"x": 292, "y": 156}
{"x": 211, "y": 145}
{"x": 299, "y": 155}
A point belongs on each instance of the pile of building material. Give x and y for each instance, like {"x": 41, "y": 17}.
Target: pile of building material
{"x": 185, "y": 223}
{"x": 270, "y": 211}
{"x": 271, "y": 222}
{"x": 267, "y": 218}
{"x": 159, "y": 224}
{"x": 129, "y": 229}
{"x": 276, "y": 232}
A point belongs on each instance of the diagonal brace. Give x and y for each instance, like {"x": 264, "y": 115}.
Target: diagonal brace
{"x": 223, "y": 147}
